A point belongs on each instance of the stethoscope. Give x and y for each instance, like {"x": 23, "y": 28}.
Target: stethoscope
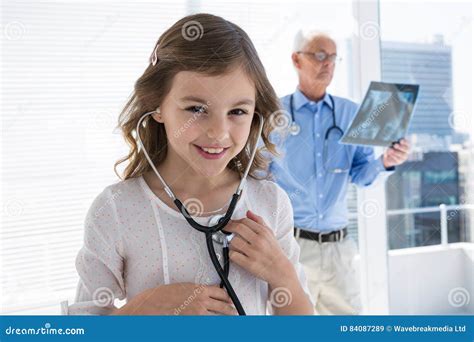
{"x": 217, "y": 223}
{"x": 295, "y": 129}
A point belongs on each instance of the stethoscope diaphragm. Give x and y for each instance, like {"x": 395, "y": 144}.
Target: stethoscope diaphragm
{"x": 294, "y": 128}
{"x": 220, "y": 237}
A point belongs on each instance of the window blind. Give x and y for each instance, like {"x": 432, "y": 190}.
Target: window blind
{"x": 67, "y": 70}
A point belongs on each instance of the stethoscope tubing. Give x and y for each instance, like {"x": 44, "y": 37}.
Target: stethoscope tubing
{"x": 295, "y": 129}
{"x": 333, "y": 112}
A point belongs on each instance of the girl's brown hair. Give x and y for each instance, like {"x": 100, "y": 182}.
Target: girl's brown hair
{"x": 206, "y": 44}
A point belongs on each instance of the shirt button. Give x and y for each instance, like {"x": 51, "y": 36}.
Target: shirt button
{"x": 320, "y": 195}
{"x": 318, "y": 135}
{"x": 321, "y": 216}
{"x": 318, "y": 154}
{"x": 320, "y": 174}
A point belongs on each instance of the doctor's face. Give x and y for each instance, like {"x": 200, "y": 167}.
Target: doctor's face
{"x": 312, "y": 71}
{"x": 207, "y": 119}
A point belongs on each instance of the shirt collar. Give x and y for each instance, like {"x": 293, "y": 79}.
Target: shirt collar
{"x": 300, "y": 100}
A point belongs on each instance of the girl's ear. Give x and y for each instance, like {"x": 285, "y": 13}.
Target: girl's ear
{"x": 157, "y": 115}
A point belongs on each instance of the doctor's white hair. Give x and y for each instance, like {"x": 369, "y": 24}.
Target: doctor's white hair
{"x": 305, "y": 36}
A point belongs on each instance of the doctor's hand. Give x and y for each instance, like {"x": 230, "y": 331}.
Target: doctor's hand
{"x": 180, "y": 299}
{"x": 255, "y": 248}
{"x": 396, "y": 154}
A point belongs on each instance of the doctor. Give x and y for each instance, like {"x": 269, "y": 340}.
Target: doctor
{"x": 315, "y": 170}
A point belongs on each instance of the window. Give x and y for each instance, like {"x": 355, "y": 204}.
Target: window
{"x": 429, "y": 198}
{"x": 433, "y": 51}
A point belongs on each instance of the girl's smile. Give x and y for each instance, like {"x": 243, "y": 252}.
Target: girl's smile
{"x": 211, "y": 152}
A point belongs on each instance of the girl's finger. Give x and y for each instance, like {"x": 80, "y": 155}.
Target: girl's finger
{"x": 240, "y": 245}
{"x": 240, "y": 259}
{"x": 217, "y": 293}
{"x": 252, "y": 225}
{"x": 254, "y": 217}
{"x": 220, "y": 307}
{"x": 239, "y": 225}
{"x": 242, "y": 229}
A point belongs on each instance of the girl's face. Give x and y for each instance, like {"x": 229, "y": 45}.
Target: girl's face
{"x": 207, "y": 119}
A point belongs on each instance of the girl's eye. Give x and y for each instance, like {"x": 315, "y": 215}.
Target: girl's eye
{"x": 238, "y": 112}
{"x": 196, "y": 109}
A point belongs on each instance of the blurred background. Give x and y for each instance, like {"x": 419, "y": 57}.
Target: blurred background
{"x": 68, "y": 67}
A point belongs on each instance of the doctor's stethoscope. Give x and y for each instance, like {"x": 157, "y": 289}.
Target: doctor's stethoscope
{"x": 217, "y": 223}
{"x": 295, "y": 129}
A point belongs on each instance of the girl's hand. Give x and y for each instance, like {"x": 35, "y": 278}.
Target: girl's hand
{"x": 255, "y": 248}
{"x": 180, "y": 299}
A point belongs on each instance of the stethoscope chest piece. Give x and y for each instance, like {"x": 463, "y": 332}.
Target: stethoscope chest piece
{"x": 215, "y": 219}
{"x": 220, "y": 237}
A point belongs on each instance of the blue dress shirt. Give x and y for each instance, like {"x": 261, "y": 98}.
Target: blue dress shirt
{"x": 318, "y": 195}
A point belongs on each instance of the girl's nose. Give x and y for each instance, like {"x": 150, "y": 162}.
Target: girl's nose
{"x": 218, "y": 129}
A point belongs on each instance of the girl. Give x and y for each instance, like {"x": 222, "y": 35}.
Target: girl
{"x": 205, "y": 84}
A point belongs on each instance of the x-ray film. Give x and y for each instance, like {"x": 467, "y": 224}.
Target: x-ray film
{"x": 384, "y": 115}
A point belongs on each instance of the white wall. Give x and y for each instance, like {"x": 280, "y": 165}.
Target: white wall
{"x": 432, "y": 280}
